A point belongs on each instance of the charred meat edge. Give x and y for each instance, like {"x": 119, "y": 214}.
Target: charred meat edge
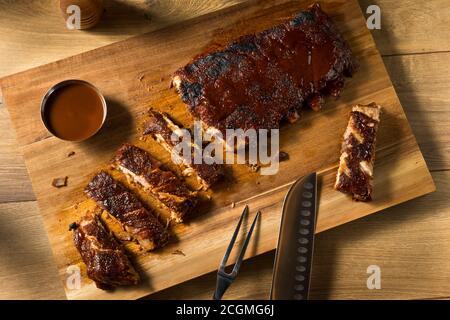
{"x": 161, "y": 127}
{"x": 355, "y": 172}
{"x": 219, "y": 92}
{"x": 144, "y": 170}
{"x": 105, "y": 259}
{"x": 121, "y": 204}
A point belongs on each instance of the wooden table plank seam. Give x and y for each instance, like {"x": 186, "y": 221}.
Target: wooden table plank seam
{"x": 414, "y": 53}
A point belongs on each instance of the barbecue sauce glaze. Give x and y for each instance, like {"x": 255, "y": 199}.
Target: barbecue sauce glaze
{"x": 260, "y": 79}
{"x": 74, "y": 112}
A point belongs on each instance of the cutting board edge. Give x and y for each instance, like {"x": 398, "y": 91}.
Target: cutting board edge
{"x": 432, "y": 188}
{"x": 7, "y": 79}
{"x": 4, "y": 80}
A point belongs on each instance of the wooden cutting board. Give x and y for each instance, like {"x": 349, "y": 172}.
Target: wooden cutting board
{"x": 135, "y": 74}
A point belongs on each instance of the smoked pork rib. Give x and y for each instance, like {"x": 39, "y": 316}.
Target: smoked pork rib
{"x": 106, "y": 261}
{"x": 119, "y": 202}
{"x": 143, "y": 169}
{"x": 160, "y": 127}
{"x": 355, "y": 171}
{"x": 263, "y": 78}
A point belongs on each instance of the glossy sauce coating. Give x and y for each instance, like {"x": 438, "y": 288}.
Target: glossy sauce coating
{"x": 355, "y": 173}
{"x": 160, "y": 183}
{"x": 74, "y": 112}
{"x": 106, "y": 261}
{"x": 115, "y": 198}
{"x": 260, "y": 79}
{"x": 158, "y": 124}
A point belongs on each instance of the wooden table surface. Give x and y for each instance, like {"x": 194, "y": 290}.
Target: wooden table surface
{"x": 409, "y": 242}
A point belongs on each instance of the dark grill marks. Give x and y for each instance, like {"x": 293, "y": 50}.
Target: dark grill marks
{"x": 113, "y": 197}
{"x": 161, "y": 128}
{"x": 355, "y": 173}
{"x": 255, "y": 82}
{"x": 105, "y": 259}
{"x": 146, "y": 171}
{"x": 261, "y": 79}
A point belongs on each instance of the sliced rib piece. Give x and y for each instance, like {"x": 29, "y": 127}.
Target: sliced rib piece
{"x": 106, "y": 261}
{"x": 113, "y": 197}
{"x": 146, "y": 171}
{"x": 355, "y": 171}
{"x": 160, "y": 127}
{"x": 263, "y": 78}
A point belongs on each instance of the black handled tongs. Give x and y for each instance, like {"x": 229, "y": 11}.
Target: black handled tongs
{"x": 225, "y": 279}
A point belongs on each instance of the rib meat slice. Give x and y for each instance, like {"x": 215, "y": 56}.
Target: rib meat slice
{"x": 355, "y": 171}
{"x": 119, "y": 202}
{"x": 146, "y": 171}
{"x": 160, "y": 127}
{"x": 106, "y": 261}
{"x": 263, "y": 78}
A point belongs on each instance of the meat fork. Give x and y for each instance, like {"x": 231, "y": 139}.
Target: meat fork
{"x": 225, "y": 279}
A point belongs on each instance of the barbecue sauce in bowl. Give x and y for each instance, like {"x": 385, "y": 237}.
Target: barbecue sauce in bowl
{"x": 73, "y": 110}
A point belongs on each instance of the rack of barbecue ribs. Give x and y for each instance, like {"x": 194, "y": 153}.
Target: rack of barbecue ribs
{"x": 120, "y": 203}
{"x": 355, "y": 172}
{"x": 161, "y": 127}
{"x": 263, "y": 78}
{"x": 141, "y": 168}
{"x": 253, "y": 83}
{"x": 106, "y": 261}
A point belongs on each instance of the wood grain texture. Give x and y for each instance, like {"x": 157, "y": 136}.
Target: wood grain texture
{"x": 43, "y": 20}
{"x": 424, "y": 88}
{"x": 408, "y": 242}
{"x": 25, "y": 244}
{"x": 390, "y": 241}
{"x": 256, "y": 273}
{"x": 14, "y": 182}
{"x": 411, "y": 26}
{"x": 408, "y": 26}
{"x": 135, "y": 83}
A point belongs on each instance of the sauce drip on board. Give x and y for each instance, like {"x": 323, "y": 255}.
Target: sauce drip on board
{"x": 74, "y": 112}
